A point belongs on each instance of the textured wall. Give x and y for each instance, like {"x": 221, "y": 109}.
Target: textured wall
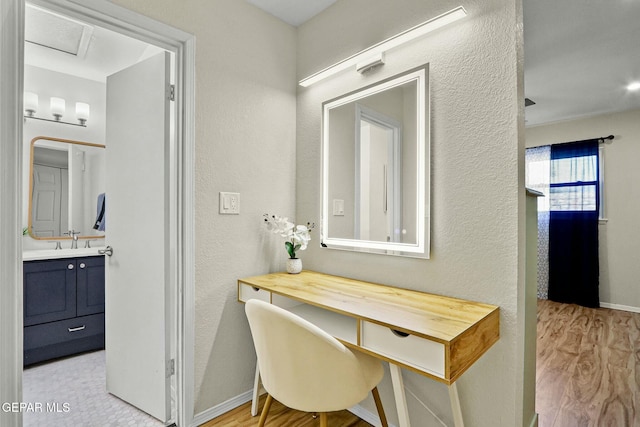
{"x": 476, "y": 206}
{"x": 245, "y": 142}
{"x": 619, "y": 236}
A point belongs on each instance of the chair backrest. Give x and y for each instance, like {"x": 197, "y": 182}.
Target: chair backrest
{"x": 302, "y": 366}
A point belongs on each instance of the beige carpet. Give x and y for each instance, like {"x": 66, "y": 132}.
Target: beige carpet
{"x": 71, "y": 392}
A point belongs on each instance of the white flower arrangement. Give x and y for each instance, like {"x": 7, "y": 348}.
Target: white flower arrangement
{"x": 297, "y": 236}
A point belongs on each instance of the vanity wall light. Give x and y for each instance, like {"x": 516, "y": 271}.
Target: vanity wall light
{"x": 58, "y": 110}
{"x": 377, "y": 50}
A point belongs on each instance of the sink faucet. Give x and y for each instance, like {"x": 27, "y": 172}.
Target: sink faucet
{"x": 74, "y": 235}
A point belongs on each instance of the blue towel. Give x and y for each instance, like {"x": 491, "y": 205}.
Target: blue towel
{"x": 101, "y": 216}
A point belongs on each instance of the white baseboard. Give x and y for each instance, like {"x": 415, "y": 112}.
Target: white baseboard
{"x": 367, "y": 416}
{"x": 620, "y": 307}
{"x": 222, "y": 408}
{"x": 245, "y": 397}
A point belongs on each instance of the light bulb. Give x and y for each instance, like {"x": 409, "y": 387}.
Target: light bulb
{"x": 83, "y": 112}
{"x": 57, "y": 108}
{"x": 30, "y": 103}
{"x": 633, "y": 87}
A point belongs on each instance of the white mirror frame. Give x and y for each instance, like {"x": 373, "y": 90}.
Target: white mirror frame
{"x": 420, "y": 249}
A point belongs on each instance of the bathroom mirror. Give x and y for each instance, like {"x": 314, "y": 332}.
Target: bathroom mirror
{"x": 66, "y": 188}
{"x": 375, "y": 168}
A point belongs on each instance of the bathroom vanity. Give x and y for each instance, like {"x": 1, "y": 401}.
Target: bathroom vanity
{"x": 63, "y": 303}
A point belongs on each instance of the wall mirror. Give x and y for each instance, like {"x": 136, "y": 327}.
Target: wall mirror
{"x": 66, "y": 188}
{"x": 375, "y": 168}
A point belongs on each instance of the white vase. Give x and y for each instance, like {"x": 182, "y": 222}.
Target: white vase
{"x": 294, "y": 265}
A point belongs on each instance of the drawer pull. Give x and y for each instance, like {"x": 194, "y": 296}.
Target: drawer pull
{"x": 83, "y": 265}
{"x": 255, "y": 289}
{"x": 70, "y": 266}
{"x": 79, "y": 328}
{"x": 399, "y": 333}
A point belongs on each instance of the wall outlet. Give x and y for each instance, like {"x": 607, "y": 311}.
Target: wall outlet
{"x": 229, "y": 203}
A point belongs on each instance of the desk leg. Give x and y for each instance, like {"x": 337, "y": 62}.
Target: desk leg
{"x": 455, "y": 406}
{"x": 256, "y": 392}
{"x": 398, "y": 392}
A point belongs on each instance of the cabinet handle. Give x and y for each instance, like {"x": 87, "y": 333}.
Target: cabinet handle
{"x": 399, "y": 333}
{"x": 70, "y": 266}
{"x": 82, "y": 265}
{"x": 79, "y": 328}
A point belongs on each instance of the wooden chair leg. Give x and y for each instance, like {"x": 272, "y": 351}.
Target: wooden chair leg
{"x": 265, "y": 410}
{"x": 376, "y": 398}
{"x": 323, "y": 419}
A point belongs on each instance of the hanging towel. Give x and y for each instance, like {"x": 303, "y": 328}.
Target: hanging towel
{"x": 100, "y": 217}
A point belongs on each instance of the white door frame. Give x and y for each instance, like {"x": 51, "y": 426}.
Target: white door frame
{"x": 11, "y": 88}
{"x": 124, "y": 21}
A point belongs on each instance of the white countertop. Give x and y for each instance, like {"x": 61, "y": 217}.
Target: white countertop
{"x": 39, "y": 254}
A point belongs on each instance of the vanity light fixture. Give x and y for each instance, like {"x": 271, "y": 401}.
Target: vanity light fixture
{"x": 370, "y": 63}
{"x": 58, "y": 110}
{"x": 378, "y": 49}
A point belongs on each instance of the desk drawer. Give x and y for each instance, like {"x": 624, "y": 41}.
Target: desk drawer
{"x": 246, "y": 292}
{"x": 415, "y": 351}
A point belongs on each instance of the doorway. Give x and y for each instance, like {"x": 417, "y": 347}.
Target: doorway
{"x": 378, "y": 182}
{"x": 181, "y": 223}
{"x": 81, "y": 64}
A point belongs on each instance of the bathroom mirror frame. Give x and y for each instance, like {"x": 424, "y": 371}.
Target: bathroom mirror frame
{"x": 417, "y": 247}
{"x": 31, "y": 184}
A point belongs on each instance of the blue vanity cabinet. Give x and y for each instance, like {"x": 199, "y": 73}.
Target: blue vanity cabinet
{"x": 49, "y": 291}
{"x": 90, "y": 286}
{"x": 63, "y": 307}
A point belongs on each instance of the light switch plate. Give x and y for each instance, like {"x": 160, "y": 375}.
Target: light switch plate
{"x": 229, "y": 203}
{"x": 338, "y": 207}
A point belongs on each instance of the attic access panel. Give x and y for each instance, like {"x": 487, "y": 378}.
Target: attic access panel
{"x": 56, "y": 32}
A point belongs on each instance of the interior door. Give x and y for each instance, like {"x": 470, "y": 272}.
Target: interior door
{"x": 47, "y": 201}
{"x": 137, "y": 194}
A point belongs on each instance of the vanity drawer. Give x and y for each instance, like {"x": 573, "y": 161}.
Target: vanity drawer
{"x": 63, "y": 338}
{"x": 418, "y": 352}
{"x": 247, "y": 292}
{"x": 63, "y": 331}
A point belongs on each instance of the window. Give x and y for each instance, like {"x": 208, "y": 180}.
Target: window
{"x": 568, "y": 183}
{"x": 574, "y": 183}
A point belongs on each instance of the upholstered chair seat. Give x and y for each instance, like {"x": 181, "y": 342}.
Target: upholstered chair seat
{"x": 305, "y": 368}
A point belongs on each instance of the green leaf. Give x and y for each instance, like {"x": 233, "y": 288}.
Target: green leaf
{"x": 290, "y": 249}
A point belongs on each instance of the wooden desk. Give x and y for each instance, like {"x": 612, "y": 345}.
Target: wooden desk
{"x": 433, "y": 335}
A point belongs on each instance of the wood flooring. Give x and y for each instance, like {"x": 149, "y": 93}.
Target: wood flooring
{"x": 280, "y": 416}
{"x": 588, "y": 374}
{"x": 588, "y": 366}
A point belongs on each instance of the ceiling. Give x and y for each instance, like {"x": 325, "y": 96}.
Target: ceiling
{"x": 579, "y": 56}
{"x": 294, "y": 12}
{"x": 62, "y": 44}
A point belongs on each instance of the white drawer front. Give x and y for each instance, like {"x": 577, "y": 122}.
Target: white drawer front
{"x": 247, "y": 292}
{"x": 411, "y": 350}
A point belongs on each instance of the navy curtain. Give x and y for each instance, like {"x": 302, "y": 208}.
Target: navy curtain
{"x": 573, "y": 223}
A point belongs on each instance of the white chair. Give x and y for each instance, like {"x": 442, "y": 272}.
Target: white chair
{"x": 305, "y": 368}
